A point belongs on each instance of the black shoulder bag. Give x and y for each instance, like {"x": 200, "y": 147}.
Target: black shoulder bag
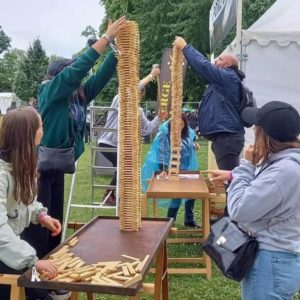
{"x": 232, "y": 248}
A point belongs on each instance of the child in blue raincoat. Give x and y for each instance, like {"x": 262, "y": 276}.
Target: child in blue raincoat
{"x": 158, "y": 159}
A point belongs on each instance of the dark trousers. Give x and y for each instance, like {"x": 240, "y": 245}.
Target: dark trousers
{"x": 227, "y": 148}
{"x": 87, "y": 132}
{"x": 113, "y": 158}
{"x": 31, "y": 294}
{"x": 51, "y": 195}
{"x": 188, "y": 210}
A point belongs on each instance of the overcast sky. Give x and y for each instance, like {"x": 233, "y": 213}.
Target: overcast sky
{"x": 57, "y": 23}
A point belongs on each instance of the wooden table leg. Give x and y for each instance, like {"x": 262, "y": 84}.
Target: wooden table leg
{"x": 74, "y": 295}
{"x": 161, "y": 274}
{"x": 17, "y": 293}
{"x": 165, "y": 280}
{"x": 206, "y": 230}
{"x": 90, "y": 296}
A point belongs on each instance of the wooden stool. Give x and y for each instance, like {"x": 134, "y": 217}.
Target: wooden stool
{"x": 16, "y": 292}
{"x": 217, "y": 199}
{"x": 190, "y": 185}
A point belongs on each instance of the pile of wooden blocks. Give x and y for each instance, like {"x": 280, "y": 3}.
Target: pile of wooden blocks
{"x": 130, "y": 211}
{"x": 110, "y": 273}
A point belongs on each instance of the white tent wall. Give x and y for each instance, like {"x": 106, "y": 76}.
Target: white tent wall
{"x": 271, "y": 55}
{"x": 5, "y": 101}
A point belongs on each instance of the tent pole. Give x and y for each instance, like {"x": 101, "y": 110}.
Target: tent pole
{"x": 239, "y": 29}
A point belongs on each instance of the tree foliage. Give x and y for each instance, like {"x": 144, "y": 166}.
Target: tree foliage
{"x": 31, "y": 72}
{"x": 4, "y": 41}
{"x": 159, "y": 23}
{"x": 9, "y": 65}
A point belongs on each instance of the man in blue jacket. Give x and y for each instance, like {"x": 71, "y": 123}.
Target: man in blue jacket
{"x": 218, "y": 117}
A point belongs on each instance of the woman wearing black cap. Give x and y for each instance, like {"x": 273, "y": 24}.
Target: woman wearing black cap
{"x": 62, "y": 101}
{"x": 264, "y": 198}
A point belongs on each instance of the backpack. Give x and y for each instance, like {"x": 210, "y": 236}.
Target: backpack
{"x": 247, "y": 100}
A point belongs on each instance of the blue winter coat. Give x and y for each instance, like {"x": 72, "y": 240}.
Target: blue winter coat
{"x": 159, "y": 154}
{"x": 218, "y": 110}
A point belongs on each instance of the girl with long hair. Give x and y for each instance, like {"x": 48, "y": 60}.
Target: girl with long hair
{"x": 21, "y": 131}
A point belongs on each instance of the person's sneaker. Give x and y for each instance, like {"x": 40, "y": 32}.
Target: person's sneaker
{"x": 60, "y": 294}
{"x": 192, "y": 224}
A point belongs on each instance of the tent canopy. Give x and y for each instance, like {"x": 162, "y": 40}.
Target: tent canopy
{"x": 270, "y": 55}
{"x": 280, "y": 23}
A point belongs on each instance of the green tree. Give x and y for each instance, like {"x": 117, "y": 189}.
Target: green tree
{"x": 9, "y": 65}
{"x": 4, "y": 41}
{"x": 161, "y": 20}
{"x": 89, "y": 32}
{"x": 159, "y": 23}
{"x": 32, "y": 71}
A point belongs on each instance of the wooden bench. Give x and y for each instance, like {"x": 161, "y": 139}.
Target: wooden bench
{"x": 16, "y": 292}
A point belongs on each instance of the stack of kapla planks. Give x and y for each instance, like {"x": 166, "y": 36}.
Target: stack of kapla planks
{"x": 176, "y": 112}
{"x": 129, "y": 128}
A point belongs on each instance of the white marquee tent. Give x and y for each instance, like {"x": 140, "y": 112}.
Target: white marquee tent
{"x": 271, "y": 55}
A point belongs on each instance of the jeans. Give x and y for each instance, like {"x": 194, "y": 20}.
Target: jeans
{"x": 51, "y": 195}
{"x": 188, "y": 206}
{"x": 274, "y": 275}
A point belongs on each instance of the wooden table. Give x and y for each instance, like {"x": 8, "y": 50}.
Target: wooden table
{"x": 190, "y": 188}
{"x": 102, "y": 240}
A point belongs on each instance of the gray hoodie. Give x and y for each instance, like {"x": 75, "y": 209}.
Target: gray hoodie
{"x": 14, "y": 217}
{"x": 268, "y": 202}
{"x": 111, "y": 138}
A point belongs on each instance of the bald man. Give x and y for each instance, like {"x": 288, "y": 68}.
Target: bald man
{"x": 218, "y": 116}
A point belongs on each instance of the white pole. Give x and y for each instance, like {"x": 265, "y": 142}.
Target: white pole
{"x": 239, "y": 30}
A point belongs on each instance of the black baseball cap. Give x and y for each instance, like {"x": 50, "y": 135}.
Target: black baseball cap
{"x": 58, "y": 65}
{"x": 279, "y": 120}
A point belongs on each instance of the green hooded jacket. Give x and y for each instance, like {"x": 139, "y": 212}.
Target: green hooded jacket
{"x": 54, "y": 97}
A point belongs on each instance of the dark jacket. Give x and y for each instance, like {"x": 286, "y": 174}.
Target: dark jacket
{"x": 218, "y": 110}
{"x": 54, "y": 95}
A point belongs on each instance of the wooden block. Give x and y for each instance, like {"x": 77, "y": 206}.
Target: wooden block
{"x": 140, "y": 267}
{"x": 87, "y": 274}
{"x": 130, "y": 257}
{"x": 133, "y": 280}
{"x": 121, "y": 278}
{"x": 73, "y": 262}
{"x": 79, "y": 264}
{"x": 73, "y": 241}
{"x": 114, "y": 274}
{"x": 125, "y": 271}
{"x": 134, "y": 264}
{"x": 85, "y": 269}
{"x": 130, "y": 269}
{"x": 60, "y": 252}
{"x": 105, "y": 263}
{"x": 111, "y": 282}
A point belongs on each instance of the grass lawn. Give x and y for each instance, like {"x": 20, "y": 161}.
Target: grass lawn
{"x": 181, "y": 287}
